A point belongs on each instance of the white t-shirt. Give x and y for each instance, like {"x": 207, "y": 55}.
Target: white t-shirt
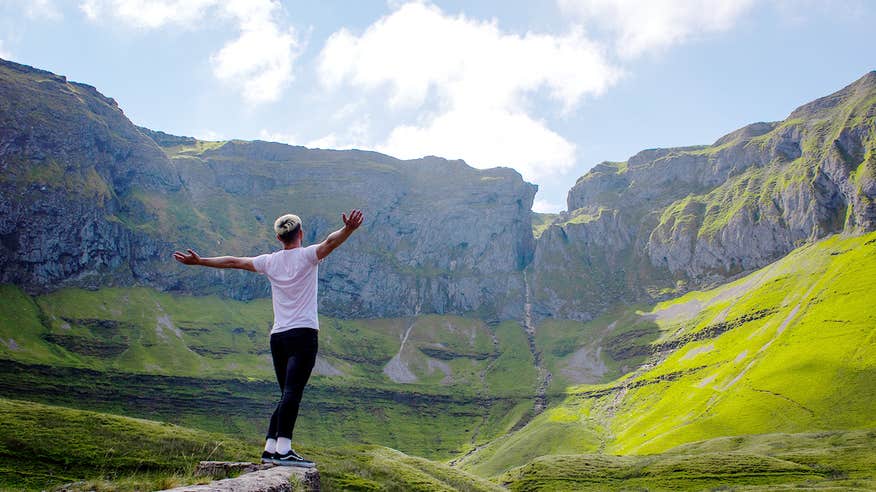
{"x": 293, "y": 276}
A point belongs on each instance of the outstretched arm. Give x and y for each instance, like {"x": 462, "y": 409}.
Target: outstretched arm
{"x": 218, "y": 262}
{"x": 337, "y": 238}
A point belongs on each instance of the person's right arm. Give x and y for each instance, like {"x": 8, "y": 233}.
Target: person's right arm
{"x": 241, "y": 263}
{"x": 337, "y": 238}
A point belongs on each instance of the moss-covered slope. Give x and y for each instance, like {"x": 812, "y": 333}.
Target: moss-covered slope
{"x": 789, "y": 348}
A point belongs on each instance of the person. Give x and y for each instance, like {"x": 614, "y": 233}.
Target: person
{"x": 292, "y": 272}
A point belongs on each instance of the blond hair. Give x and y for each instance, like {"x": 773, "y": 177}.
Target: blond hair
{"x": 287, "y": 227}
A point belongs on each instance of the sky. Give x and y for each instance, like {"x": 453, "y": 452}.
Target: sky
{"x": 550, "y": 88}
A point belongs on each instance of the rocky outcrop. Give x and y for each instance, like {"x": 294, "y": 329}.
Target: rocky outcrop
{"x": 88, "y": 199}
{"x": 695, "y": 216}
{"x": 809, "y": 177}
{"x": 255, "y": 478}
{"x": 581, "y": 265}
{"x": 67, "y": 156}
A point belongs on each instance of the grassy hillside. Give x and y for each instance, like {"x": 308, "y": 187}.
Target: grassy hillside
{"x": 110, "y": 453}
{"x": 432, "y": 385}
{"x": 822, "y": 461}
{"x": 145, "y": 331}
{"x": 789, "y": 348}
{"x": 73, "y": 445}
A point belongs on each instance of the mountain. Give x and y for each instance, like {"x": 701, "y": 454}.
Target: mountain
{"x": 787, "y": 349}
{"x": 89, "y": 200}
{"x": 687, "y": 296}
{"x": 668, "y": 220}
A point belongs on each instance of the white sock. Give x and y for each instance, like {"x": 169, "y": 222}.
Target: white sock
{"x": 284, "y": 445}
{"x": 271, "y": 445}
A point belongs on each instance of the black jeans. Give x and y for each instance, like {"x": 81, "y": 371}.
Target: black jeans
{"x": 294, "y": 354}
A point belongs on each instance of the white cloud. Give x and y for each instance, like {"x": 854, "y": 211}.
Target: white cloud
{"x": 42, "y": 9}
{"x": 347, "y": 110}
{"x": 329, "y": 141}
{"x": 486, "y": 138}
{"x": 6, "y": 55}
{"x": 259, "y": 62}
{"x": 472, "y": 83}
{"x": 148, "y": 14}
{"x": 356, "y": 136}
{"x": 642, "y": 26}
{"x": 546, "y": 207}
{"x": 209, "y": 136}
{"x": 286, "y": 138}
{"x": 261, "y": 58}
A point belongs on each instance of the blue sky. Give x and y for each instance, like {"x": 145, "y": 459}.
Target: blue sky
{"x": 549, "y": 88}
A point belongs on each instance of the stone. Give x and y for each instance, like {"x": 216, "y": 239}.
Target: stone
{"x": 223, "y": 469}
{"x": 265, "y": 478}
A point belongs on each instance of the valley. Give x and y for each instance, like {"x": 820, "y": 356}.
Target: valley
{"x": 699, "y": 317}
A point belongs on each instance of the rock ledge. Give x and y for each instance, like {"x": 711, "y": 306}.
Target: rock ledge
{"x": 256, "y": 478}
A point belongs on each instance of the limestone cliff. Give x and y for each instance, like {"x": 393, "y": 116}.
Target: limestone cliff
{"x": 88, "y": 199}
{"x": 671, "y": 218}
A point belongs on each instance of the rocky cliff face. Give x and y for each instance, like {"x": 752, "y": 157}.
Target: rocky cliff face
{"x": 671, "y": 218}
{"x": 68, "y": 158}
{"x": 88, "y": 199}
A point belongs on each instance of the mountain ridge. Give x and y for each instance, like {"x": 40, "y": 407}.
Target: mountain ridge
{"x": 449, "y": 329}
{"x": 667, "y": 220}
{"x": 664, "y": 221}
{"x": 131, "y": 201}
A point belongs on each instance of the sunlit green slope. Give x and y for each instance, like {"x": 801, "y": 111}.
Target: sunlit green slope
{"x": 789, "y": 348}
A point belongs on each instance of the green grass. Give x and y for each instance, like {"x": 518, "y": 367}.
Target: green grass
{"x": 789, "y": 348}
{"x": 597, "y": 351}
{"x": 140, "y": 330}
{"x": 194, "y": 148}
{"x": 581, "y": 216}
{"x": 556, "y": 431}
{"x": 808, "y": 365}
{"x": 99, "y": 451}
{"x": 832, "y": 460}
{"x": 513, "y": 372}
{"x": 367, "y": 468}
{"x": 540, "y": 222}
{"x": 139, "y": 352}
{"x": 74, "y": 445}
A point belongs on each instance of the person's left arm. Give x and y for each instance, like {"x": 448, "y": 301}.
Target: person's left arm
{"x": 240, "y": 263}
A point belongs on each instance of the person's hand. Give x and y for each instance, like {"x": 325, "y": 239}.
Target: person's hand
{"x": 353, "y": 221}
{"x": 187, "y": 259}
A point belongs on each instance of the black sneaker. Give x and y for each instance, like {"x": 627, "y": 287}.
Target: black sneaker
{"x": 268, "y": 457}
{"x": 292, "y": 459}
